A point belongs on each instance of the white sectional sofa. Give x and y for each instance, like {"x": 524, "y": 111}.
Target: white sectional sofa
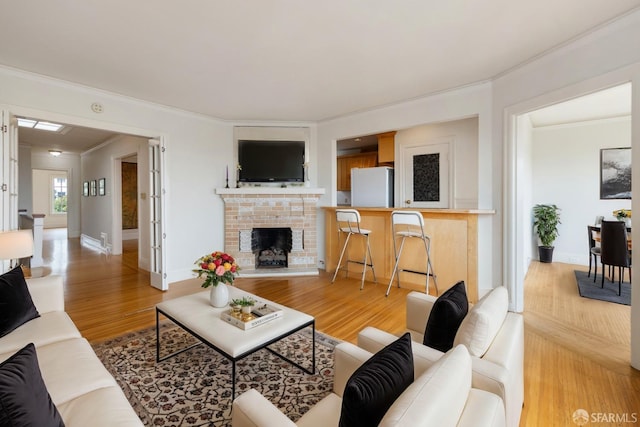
{"x": 493, "y": 335}
{"x": 81, "y": 388}
{"x": 441, "y": 396}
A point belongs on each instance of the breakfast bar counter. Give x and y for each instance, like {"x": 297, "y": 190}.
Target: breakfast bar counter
{"x": 454, "y": 247}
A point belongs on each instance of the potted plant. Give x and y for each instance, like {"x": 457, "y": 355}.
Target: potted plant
{"x": 545, "y": 223}
{"x": 245, "y": 303}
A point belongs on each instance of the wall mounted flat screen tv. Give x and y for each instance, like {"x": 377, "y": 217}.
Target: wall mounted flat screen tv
{"x": 271, "y": 161}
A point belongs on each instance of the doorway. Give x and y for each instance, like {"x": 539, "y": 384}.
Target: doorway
{"x": 87, "y": 152}
{"x": 50, "y": 196}
{"x": 603, "y": 107}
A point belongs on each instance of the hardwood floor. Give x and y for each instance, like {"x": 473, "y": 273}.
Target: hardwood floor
{"x": 576, "y": 349}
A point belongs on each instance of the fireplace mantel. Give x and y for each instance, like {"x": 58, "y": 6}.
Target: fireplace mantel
{"x": 246, "y": 208}
{"x": 270, "y": 190}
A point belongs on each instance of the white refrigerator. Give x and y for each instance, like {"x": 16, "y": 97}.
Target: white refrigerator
{"x": 372, "y": 187}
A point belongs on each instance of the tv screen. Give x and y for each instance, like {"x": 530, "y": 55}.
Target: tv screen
{"x": 271, "y": 161}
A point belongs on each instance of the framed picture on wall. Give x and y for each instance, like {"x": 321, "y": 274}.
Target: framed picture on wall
{"x": 85, "y": 189}
{"x": 93, "y": 188}
{"x": 615, "y": 173}
{"x": 102, "y": 182}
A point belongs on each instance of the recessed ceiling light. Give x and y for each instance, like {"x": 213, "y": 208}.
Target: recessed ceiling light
{"x": 52, "y": 127}
{"x": 55, "y": 153}
{"x": 27, "y": 123}
{"x": 40, "y": 125}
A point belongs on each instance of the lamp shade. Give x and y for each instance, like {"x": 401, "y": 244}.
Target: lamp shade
{"x": 16, "y": 244}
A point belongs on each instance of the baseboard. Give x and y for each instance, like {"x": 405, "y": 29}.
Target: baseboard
{"x": 130, "y": 234}
{"x": 94, "y": 243}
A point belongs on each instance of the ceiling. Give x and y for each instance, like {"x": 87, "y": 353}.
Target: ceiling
{"x": 606, "y": 104}
{"x": 284, "y": 59}
{"x": 74, "y": 139}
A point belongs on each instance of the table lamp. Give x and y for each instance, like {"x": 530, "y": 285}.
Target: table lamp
{"x": 15, "y": 245}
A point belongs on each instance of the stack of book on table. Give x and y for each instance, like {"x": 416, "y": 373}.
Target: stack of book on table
{"x": 260, "y": 314}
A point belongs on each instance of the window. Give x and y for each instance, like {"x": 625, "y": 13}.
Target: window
{"x": 59, "y": 205}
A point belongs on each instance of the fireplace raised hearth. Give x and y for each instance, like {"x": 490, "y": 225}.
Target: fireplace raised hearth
{"x": 271, "y": 246}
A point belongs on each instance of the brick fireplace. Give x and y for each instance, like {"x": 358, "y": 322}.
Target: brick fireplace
{"x": 249, "y": 208}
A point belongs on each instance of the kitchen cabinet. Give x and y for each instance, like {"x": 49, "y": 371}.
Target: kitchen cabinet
{"x": 346, "y": 162}
{"x": 386, "y": 147}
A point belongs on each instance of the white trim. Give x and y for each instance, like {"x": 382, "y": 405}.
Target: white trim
{"x": 93, "y": 243}
{"x": 513, "y": 251}
{"x": 130, "y": 234}
{"x": 271, "y": 190}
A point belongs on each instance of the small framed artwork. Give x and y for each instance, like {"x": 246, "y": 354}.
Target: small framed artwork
{"x": 615, "y": 173}
{"x": 93, "y": 188}
{"x": 85, "y": 189}
{"x": 102, "y": 183}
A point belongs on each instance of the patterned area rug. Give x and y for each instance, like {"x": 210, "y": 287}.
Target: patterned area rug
{"x": 194, "y": 387}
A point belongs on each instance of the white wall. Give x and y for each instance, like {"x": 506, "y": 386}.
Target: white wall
{"x": 464, "y": 134}
{"x": 566, "y": 162}
{"x": 271, "y": 133}
{"x": 98, "y": 211}
{"x": 42, "y": 197}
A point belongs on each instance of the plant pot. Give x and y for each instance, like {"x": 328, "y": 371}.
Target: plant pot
{"x": 545, "y": 253}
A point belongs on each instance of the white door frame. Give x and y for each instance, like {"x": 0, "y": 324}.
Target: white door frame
{"x": 402, "y": 167}
{"x": 14, "y": 110}
{"x": 9, "y": 184}
{"x": 515, "y": 212}
{"x": 157, "y": 214}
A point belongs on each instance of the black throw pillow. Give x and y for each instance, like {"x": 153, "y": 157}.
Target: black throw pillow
{"x": 24, "y": 399}
{"x": 446, "y": 316}
{"x": 375, "y": 385}
{"x": 16, "y": 305}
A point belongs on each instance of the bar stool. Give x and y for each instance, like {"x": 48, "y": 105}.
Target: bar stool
{"x": 410, "y": 224}
{"x": 348, "y": 221}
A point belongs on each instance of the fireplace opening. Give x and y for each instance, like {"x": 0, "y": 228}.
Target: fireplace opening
{"x": 271, "y": 246}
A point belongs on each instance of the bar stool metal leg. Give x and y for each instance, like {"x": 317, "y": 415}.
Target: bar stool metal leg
{"x": 365, "y": 265}
{"x": 430, "y": 271}
{"x": 344, "y": 248}
{"x": 395, "y": 266}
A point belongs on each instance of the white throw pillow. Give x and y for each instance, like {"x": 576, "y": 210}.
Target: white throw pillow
{"x": 482, "y": 323}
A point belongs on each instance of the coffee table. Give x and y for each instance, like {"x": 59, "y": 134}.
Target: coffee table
{"x": 194, "y": 314}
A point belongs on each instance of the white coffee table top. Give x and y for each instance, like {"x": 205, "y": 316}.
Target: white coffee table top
{"x": 196, "y": 314}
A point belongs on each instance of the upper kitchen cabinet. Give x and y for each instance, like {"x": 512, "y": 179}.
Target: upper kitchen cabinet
{"x": 345, "y": 163}
{"x": 386, "y": 147}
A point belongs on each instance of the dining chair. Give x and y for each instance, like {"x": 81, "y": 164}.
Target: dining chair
{"x": 614, "y": 250}
{"x": 594, "y": 251}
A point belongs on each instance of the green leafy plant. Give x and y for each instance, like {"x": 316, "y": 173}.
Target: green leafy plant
{"x": 545, "y": 222}
{"x": 243, "y": 302}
